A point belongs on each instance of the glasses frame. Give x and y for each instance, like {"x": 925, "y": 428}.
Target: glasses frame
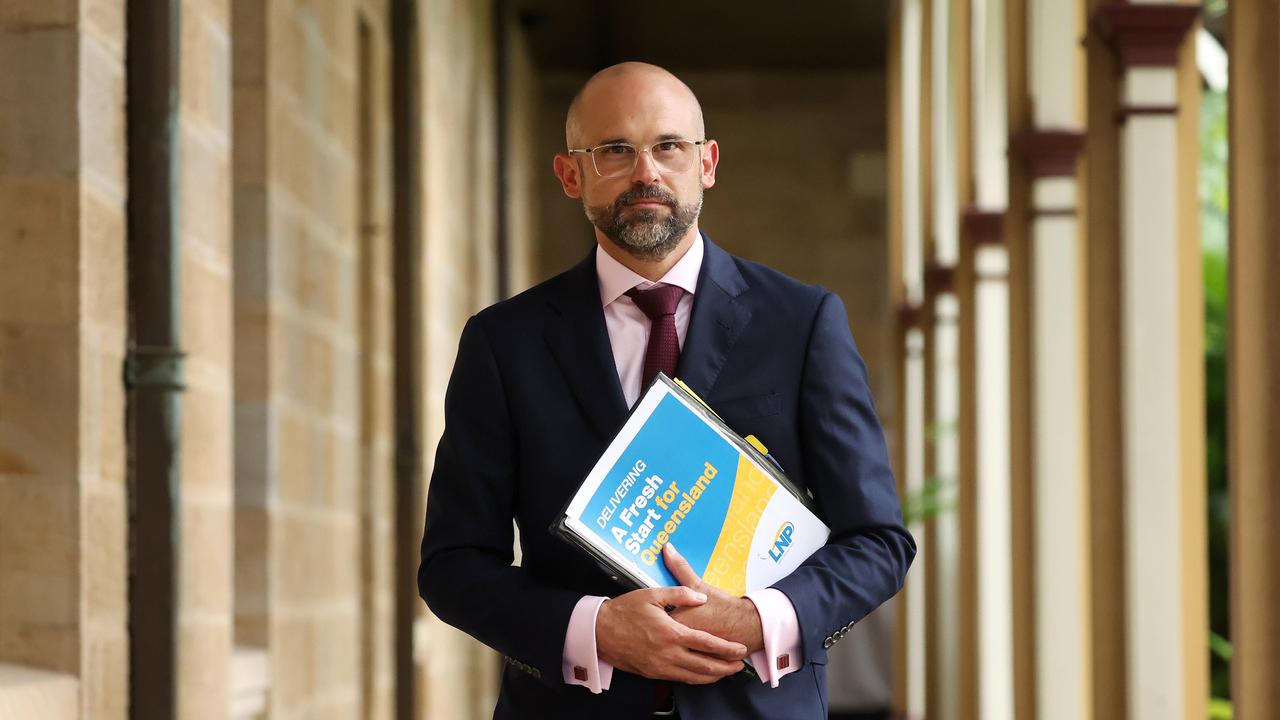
{"x": 638, "y": 148}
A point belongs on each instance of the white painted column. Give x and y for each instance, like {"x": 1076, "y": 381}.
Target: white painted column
{"x": 1146, "y": 37}
{"x": 990, "y": 121}
{"x": 1059, "y": 446}
{"x": 992, "y": 456}
{"x": 917, "y": 582}
{"x": 912, "y": 184}
{"x": 992, "y": 483}
{"x": 1149, "y": 227}
{"x": 944, "y": 346}
{"x": 914, "y": 417}
{"x": 1060, "y": 490}
{"x": 946, "y": 453}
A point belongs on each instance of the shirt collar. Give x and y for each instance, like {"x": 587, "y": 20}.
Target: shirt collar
{"x": 616, "y": 278}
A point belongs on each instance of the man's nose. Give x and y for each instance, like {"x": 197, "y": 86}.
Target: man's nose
{"x": 646, "y": 170}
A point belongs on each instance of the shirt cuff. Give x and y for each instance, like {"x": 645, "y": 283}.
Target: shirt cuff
{"x": 581, "y": 664}
{"x": 782, "y": 641}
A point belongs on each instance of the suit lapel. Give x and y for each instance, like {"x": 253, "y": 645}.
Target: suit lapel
{"x": 717, "y": 321}
{"x": 579, "y": 340}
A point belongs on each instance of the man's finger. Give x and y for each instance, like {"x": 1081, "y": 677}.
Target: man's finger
{"x": 680, "y": 567}
{"x": 679, "y": 596}
{"x": 682, "y": 675}
{"x": 706, "y": 665}
{"x": 708, "y": 644}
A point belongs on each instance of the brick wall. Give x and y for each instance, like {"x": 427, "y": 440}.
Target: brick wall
{"x": 313, "y": 369}
{"x": 286, "y": 311}
{"x": 204, "y": 216}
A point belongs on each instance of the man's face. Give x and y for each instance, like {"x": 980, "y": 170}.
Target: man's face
{"x": 648, "y": 210}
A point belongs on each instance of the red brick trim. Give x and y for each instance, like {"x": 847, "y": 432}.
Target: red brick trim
{"x": 986, "y": 227}
{"x": 909, "y": 316}
{"x": 1053, "y": 212}
{"x": 1127, "y": 111}
{"x": 939, "y": 279}
{"x": 1143, "y": 34}
{"x": 1048, "y": 153}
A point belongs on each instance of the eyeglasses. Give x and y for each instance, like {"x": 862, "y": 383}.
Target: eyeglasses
{"x": 618, "y": 159}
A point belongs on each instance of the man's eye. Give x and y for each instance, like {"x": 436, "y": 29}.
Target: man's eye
{"x": 668, "y": 147}
{"x": 616, "y": 150}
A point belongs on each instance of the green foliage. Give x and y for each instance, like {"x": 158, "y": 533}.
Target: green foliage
{"x": 1220, "y": 709}
{"x": 936, "y": 430}
{"x": 935, "y": 497}
{"x": 1213, "y": 174}
{"x": 1214, "y": 205}
{"x": 1220, "y": 647}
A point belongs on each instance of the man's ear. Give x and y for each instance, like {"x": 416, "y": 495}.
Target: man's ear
{"x": 570, "y": 174}
{"x": 710, "y": 159}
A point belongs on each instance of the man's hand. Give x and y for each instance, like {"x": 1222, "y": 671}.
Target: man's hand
{"x": 722, "y": 615}
{"x": 634, "y": 633}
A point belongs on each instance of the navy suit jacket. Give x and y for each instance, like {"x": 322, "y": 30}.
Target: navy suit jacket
{"x": 532, "y": 402}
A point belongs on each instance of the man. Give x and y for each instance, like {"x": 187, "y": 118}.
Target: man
{"x": 544, "y": 379}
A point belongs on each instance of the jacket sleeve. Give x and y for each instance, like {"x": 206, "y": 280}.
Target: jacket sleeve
{"x": 466, "y": 576}
{"x": 846, "y": 466}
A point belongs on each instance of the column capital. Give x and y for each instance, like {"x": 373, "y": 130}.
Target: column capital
{"x": 1145, "y": 34}
{"x": 985, "y": 227}
{"x": 910, "y": 316}
{"x": 939, "y": 279}
{"x": 1048, "y": 153}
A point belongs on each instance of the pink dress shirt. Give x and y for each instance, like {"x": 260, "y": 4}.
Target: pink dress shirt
{"x": 629, "y": 335}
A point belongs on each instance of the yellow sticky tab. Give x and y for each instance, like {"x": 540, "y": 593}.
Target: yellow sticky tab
{"x": 755, "y": 443}
{"x": 694, "y": 395}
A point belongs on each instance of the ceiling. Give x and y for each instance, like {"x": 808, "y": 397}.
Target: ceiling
{"x": 585, "y": 35}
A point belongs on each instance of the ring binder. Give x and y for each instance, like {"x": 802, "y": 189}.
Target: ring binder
{"x": 676, "y": 470}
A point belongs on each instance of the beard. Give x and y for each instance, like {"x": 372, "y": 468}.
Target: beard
{"x": 645, "y": 234}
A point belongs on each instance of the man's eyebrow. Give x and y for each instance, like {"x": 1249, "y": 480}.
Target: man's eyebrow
{"x": 661, "y": 138}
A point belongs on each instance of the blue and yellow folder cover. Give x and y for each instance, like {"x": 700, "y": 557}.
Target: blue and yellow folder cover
{"x": 676, "y": 472}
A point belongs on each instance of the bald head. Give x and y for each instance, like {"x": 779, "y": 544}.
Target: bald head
{"x": 620, "y": 92}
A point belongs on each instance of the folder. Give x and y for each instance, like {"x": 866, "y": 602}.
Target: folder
{"x": 675, "y": 472}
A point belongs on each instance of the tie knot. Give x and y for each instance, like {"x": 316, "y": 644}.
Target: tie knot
{"x": 657, "y": 301}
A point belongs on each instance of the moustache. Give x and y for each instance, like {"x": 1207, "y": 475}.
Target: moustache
{"x": 645, "y": 193}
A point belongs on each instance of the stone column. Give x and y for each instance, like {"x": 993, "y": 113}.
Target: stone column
{"x": 1254, "y": 374}
{"x": 64, "y": 647}
{"x": 1161, "y": 378}
{"x": 206, "y": 574}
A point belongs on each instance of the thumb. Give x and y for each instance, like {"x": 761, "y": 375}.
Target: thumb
{"x": 679, "y": 596}
{"x": 680, "y": 568}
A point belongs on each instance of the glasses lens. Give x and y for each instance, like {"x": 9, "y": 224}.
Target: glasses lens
{"x": 674, "y": 156}
{"x": 670, "y": 156}
{"x": 614, "y": 160}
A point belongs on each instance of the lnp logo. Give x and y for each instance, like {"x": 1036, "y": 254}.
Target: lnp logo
{"x": 781, "y": 541}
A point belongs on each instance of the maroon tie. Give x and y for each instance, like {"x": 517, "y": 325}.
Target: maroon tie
{"x": 663, "y": 353}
